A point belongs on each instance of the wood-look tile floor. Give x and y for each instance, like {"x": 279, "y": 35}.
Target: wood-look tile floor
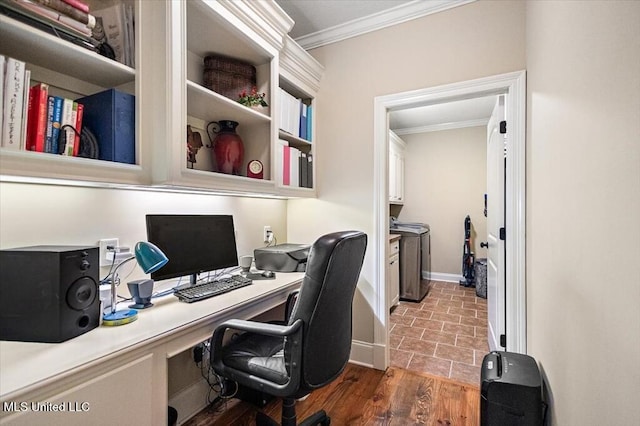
{"x": 445, "y": 334}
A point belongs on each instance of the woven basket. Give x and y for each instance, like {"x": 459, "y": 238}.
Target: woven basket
{"x": 227, "y": 76}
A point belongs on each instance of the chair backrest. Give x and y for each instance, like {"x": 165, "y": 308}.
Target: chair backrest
{"x": 324, "y": 305}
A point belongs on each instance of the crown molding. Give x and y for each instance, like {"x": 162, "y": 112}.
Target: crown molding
{"x": 297, "y": 65}
{"x": 266, "y": 19}
{"x": 443, "y": 126}
{"x": 393, "y": 16}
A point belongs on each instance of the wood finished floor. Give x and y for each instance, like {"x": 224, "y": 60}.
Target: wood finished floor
{"x": 445, "y": 334}
{"x": 364, "y": 396}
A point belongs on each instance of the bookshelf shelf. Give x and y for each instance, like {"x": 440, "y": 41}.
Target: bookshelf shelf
{"x": 171, "y": 41}
{"x": 228, "y": 183}
{"x": 36, "y": 47}
{"x": 294, "y": 140}
{"x": 208, "y": 105}
{"x": 18, "y": 165}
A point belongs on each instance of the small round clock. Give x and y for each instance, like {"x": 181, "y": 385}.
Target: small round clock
{"x": 255, "y": 169}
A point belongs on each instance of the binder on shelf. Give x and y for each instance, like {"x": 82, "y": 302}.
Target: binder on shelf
{"x": 294, "y": 168}
{"x": 280, "y": 155}
{"x": 303, "y": 121}
{"x": 310, "y": 171}
{"x": 286, "y": 165}
{"x": 309, "y": 123}
{"x": 110, "y": 116}
{"x": 304, "y": 172}
{"x": 290, "y": 113}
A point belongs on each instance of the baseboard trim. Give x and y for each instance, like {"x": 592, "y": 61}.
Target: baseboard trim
{"x": 441, "y": 276}
{"x": 190, "y": 401}
{"x": 362, "y": 353}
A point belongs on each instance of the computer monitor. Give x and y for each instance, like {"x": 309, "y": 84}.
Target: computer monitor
{"x": 193, "y": 243}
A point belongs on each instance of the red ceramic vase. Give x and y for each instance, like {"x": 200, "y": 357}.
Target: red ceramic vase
{"x": 228, "y": 149}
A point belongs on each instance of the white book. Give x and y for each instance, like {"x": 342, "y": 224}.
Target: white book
{"x": 71, "y": 135}
{"x": 295, "y": 116}
{"x": 2, "y": 68}
{"x": 13, "y": 102}
{"x": 294, "y": 169}
{"x": 113, "y": 21}
{"x": 290, "y": 108}
{"x": 25, "y": 109}
{"x": 67, "y": 119}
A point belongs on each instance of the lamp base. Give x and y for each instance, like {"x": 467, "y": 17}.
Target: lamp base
{"x": 120, "y": 317}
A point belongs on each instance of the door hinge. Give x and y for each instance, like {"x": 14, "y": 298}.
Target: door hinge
{"x": 503, "y": 340}
{"x": 503, "y": 234}
{"x": 503, "y": 127}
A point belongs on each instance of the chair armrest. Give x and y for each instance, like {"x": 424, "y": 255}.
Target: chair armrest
{"x": 253, "y": 327}
{"x": 293, "y": 332}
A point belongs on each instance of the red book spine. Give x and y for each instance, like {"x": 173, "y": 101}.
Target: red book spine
{"x": 31, "y": 128}
{"x": 78, "y": 5}
{"x": 76, "y": 144}
{"x": 37, "y": 117}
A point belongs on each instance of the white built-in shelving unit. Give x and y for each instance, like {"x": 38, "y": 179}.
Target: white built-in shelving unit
{"x": 172, "y": 40}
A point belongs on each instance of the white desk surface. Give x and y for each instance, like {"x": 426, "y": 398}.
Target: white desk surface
{"x": 25, "y": 365}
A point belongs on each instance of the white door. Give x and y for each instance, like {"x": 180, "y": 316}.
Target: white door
{"x": 496, "y": 158}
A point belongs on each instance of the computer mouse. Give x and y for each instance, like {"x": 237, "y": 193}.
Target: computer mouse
{"x": 268, "y": 274}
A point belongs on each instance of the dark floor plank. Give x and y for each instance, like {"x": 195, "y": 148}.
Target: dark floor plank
{"x": 364, "y": 396}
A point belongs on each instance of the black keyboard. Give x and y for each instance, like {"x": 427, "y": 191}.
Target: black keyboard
{"x": 212, "y": 288}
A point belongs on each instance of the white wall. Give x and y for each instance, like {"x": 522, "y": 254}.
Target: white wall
{"x": 583, "y": 206}
{"x": 445, "y": 180}
{"x": 476, "y": 40}
{"x": 44, "y": 214}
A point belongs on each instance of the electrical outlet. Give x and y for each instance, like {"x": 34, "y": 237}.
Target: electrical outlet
{"x": 267, "y": 234}
{"x": 104, "y": 260}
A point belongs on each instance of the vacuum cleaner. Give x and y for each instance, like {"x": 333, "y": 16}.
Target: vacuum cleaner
{"x": 468, "y": 258}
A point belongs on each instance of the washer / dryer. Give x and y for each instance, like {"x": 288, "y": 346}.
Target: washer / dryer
{"x": 415, "y": 258}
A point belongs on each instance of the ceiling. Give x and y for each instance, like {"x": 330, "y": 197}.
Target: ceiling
{"x": 314, "y": 16}
{"x": 445, "y": 116}
{"x": 321, "y": 22}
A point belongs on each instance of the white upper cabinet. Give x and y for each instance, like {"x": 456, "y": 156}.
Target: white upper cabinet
{"x": 174, "y": 93}
{"x": 299, "y": 81}
{"x": 397, "y": 148}
{"x": 71, "y": 72}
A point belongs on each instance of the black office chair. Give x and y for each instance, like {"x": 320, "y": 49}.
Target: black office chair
{"x": 313, "y": 347}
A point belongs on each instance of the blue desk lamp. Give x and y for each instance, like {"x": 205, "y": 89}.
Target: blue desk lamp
{"x": 150, "y": 258}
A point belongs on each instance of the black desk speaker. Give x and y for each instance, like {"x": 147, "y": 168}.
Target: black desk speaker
{"x": 48, "y": 293}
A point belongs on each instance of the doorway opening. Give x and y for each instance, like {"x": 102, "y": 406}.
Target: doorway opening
{"x": 513, "y": 86}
